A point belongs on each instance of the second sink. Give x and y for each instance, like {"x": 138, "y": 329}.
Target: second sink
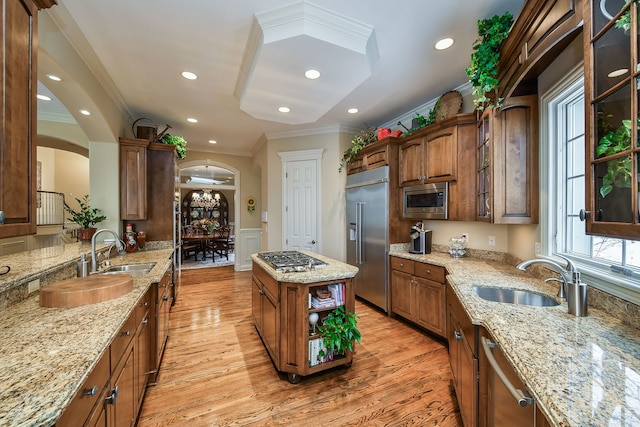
{"x": 512, "y": 296}
{"x": 135, "y": 270}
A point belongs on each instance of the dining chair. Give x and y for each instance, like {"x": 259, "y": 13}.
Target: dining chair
{"x": 220, "y": 245}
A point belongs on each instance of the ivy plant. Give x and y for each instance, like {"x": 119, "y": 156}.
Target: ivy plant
{"x": 618, "y": 169}
{"x": 338, "y": 331}
{"x": 359, "y": 141}
{"x": 483, "y": 71}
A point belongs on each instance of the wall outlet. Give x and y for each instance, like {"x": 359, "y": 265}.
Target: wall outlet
{"x": 538, "y": 249}
{"x": 466, "y": 237}
{"x": 492, "y": 240}
{"x": 33, "y": 286}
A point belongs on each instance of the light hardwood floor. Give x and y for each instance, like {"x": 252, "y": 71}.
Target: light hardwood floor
{"x": 216, "y": 371}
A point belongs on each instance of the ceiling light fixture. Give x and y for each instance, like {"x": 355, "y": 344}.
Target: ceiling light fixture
{"x": 444, "y": 43}
{"x": 43, "y": 97}
{"x": 54, "y": 77}
{"x": 618, "y": 73}
{"x": 85, "y": 112}
{"x": 189, "y": 75}
{"x": 352, "y": 110}
{"x": 312, "y": 74}
{"x": 213, "y": 141}
{"x": 192, "y": 120}
{"x": 284, "y": 109}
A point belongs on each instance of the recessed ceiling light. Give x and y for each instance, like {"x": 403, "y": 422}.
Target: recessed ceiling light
{"x": 192, "y": 120}
{"x": 312, "y": 74}
{"x": 54, "y": 77}
{"x": 85, "y": 112}
{"x": 213, "y": 141}
{"x": 445, "y": 43}
{"x": 43, "y": 97}
{"x": 189, "y": 75}
{"x": 618, "y": 73}
{"x": 284, "y": 109}
{"x": 352, "y": 110}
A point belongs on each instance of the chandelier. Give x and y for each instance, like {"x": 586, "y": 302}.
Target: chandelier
{"x": 204, "y": 199}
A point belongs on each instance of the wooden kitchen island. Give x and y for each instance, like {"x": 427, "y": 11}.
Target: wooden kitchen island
{"x": 281, "y": 305}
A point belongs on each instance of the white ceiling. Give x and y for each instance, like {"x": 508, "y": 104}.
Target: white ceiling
{"x": 249, "y": 55}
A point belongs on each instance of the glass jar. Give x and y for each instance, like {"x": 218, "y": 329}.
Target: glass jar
{"x": 130, "y": 241}
{"x": 457, "y": 247}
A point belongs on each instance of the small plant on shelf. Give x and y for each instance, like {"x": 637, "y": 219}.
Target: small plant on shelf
{"x": 178, "y": 141}
{"x": 359, "y": 141}
{"x": 338, "y": 331}
{"x": 618, "y": 169}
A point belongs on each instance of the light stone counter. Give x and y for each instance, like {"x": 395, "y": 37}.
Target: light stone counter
{"x": 47, "y": 353}
{"x": 582, "y": 371}
{"x": 334, "y": 270}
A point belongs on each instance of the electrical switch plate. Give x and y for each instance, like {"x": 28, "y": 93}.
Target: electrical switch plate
{"x": 492, "y": 240}
{"x": 538, "y": 249}
{"x": 34, "y": 285}
{"x": 264, "y": 216}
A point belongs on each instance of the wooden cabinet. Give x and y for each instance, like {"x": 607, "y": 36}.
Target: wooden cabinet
{"x": 122, "y": 402}
{"x": 418, "y": 293}
{"x": 540, "y": 32}
{"x": 507, "y": 163}
{"x": 463, "y": 356}
{"x": 374, "y": 155}
{"x": 143, "y": 347}
{"x": 162, "y": 300}
{"x": 611, "y": 99}
{"x": 431, "y": 154}
{"x": 133, "y": 179}
{"x": 281, "y": 311}
{"x": 18, "y": 78}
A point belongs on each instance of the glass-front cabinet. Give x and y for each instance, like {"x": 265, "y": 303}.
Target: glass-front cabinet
{"x": 612, "y": 70}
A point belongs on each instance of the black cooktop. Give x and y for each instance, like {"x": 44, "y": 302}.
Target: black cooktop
{"x": 290, "y": 261}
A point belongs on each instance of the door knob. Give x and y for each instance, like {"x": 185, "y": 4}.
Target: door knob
{"x": 313, "y": 242}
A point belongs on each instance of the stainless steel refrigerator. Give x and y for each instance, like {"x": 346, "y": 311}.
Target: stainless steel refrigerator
{"x": 368, "y": 233}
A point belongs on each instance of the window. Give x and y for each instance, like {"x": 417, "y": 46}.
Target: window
{"x": 610, "y": 264}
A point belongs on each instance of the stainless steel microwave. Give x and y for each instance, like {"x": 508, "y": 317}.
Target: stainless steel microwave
{"x": 426, "y": 201}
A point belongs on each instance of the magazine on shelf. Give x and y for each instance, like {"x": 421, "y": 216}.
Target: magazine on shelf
{"x": 322, "y": 303}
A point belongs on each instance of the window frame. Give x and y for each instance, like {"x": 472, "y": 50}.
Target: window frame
{"x": 595, "y": 274}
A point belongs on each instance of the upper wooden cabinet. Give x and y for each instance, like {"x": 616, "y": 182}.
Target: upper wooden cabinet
{"x": 507, "y": 163}
{"x": 133, "y": 179}
{"x": 18, "y": 91}
{"x": 373, "y": 156}
{"x": 541, "y": 30}
{"x": 611, "y": 97}
{"x": 431, "y": 154}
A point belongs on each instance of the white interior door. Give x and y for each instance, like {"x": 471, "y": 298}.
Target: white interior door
{"x": 301, "y": 205}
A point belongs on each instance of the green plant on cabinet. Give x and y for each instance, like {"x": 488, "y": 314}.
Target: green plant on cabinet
{"x": 178, "y": 141}
{"x": 359, "y": 141}
{"x": 338, "y": 331}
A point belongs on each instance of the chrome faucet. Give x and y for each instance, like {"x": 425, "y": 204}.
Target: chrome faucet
{"x": 571, "y": 286}
{"x": 118, "y": 243}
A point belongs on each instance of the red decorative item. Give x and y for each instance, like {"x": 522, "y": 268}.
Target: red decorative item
{"x": 383, "y": 133}
{"x": 396, "y": 133}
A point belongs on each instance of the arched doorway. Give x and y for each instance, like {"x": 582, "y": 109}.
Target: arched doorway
{"x": 210, "y": 177}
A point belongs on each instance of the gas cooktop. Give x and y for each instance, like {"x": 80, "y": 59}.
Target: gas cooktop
{"x": 290, "y": 261}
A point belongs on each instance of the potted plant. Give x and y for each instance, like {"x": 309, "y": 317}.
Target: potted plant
{"x": 338, "y": 332}
{"x": 619, "y": 169}
{"x": 483, "y": 72}
{"x": 178, "y": 141}
{"x": 86, "y": 217}
{"x": 359, "y": 141}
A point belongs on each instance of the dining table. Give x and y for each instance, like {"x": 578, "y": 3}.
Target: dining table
{"x": 201, "y": 240}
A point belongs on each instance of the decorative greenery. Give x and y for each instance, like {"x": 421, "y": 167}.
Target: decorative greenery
{"x": 179, "y": 142}
{"x": 87, "y": 216}
{"x": 359, "y": 141}
{"x": 205, "y": 225}
{"x": 618, "y": 169}
{"x": 423, "y": 121}
{"x": 338, "y": 331}
{"x": 624, "y": 22}
{"x": 483, "y": 72}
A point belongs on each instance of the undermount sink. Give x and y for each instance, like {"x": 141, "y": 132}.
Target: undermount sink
{"x": 135, "y": 270}
{"x": 512, "y": 296}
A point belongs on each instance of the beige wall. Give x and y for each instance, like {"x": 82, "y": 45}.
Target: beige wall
{"x": 64, "y": 172}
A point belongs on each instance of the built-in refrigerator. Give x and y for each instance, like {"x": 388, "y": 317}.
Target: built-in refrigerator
{"x": 368, "y": 233}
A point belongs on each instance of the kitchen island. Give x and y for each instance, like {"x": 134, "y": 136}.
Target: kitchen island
{"x": 47, "y": 353}
{"x": 282, "y": 305}
{"x": 581, "y": 371}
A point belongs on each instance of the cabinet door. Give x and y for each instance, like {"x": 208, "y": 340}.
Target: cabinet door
{"x": 133, "y": 179}
{"x": 123, "y": 404}
{"x": 256, "y": 303}
{"x": 17, "y": 145}
{"x": 430, "y": 305}
{"x": 442, "y": 155}
{"x": 411, "y": 162}
{"x": 271, "y": 326}
{"x": 143, "y": 358}
{"x": 402, "y": 294}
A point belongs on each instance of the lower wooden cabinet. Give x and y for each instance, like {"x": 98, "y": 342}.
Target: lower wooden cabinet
{"x": 162, "y": 302}
{"x": 418, "y": 293}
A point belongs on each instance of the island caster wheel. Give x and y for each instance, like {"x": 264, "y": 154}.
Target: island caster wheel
{"x": 348, "y": 365}
{"x": 294, "y": 378}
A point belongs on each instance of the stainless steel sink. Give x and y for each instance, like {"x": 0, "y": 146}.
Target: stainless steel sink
{"x": 511, "y": 296}
{"x": 135, "y": 270}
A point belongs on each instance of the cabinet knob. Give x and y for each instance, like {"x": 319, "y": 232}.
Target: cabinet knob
{"x": 145, "y": 321}
{"x": 91, "y": 391}
{"x": 165, "y": 298}
{"x": 144, "y": 304}
{"x": 583, "y": 215}
{"x": 126, "y": 333}
{"x": 428, "y": 271}
{"x": 111, "y": 399}
{"x": 261, "y": 292}
{"x": 457, "y": 335}
{"x": 402, "y": 264}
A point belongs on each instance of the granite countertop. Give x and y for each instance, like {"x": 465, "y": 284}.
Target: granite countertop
{"x": 582, "y": 371}
{"x": 334, "y": 270}
{"x": 47, "y": 353}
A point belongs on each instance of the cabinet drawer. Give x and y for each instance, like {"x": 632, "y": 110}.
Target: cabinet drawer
{"x": 269, "y": 283}
{"x": 402, "y": 264}
{"x": 120, "y": 342}
{"x": 430, "y": 271}
{"x": 143, "y": 307}
{"x": 86, "y": 398}
{"x": 163, "y": 286}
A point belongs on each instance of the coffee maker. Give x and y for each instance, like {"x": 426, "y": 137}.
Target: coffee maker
{"x": 420, "y": 240}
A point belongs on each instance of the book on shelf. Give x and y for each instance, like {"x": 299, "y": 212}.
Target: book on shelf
{"x": 322, "y": 303}
{"x": 337, "y": 292}
{"x": 315, "y": 346}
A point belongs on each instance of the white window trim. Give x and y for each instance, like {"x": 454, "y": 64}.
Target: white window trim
{"x": 624, "y": 287}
